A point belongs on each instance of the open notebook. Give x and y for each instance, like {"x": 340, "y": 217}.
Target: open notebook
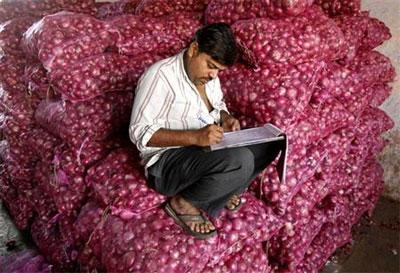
{"x": 257, "y": 135}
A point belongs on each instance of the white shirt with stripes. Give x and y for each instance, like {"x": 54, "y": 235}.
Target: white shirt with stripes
{"x": 166, "y": 98}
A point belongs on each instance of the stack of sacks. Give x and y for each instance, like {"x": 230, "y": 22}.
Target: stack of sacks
{"x": 157, "y": 8}
{"x": 118, "y": 181}
{"x": 150, "y": 241}
{"x": 361, "y": 32}
{"x": 229, "y": 11}
{"x": 10, "y": 9}
{"x": 86, "y": 57}
{"x": 150, "y": 8}
{"x": 17, "y": 107}
{"x": 70, "y": 175}
{"x": 47, "y": 38}
{"x": 293, "y": 40}
{"x": 67, "y": 82}
{"x": 24, "y": 84}
{"x": 333, "y": 131}
{"x": 164, "y": 35}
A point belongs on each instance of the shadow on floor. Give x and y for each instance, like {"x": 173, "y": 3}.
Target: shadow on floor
{"x": 376, "y": 243}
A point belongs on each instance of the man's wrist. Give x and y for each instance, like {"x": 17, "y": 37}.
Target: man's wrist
{"x": 192, "y": 137}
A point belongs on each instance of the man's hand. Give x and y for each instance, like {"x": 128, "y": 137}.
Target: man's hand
{"x": 209, "y": 135}
{"x": 230, "y": 124}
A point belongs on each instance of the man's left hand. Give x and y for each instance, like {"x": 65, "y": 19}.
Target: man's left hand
{"x": 230, "y": 124}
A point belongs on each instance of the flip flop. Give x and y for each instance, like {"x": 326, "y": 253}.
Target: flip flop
{"x": 181, "y": 220}
{"x": 236, "y": 207}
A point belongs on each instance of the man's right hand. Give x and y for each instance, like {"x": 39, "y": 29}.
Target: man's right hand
{"x": 209, "y": 135}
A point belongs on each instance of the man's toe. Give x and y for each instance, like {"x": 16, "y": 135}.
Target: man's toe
{"x": 212, "y": 227}
{"x": 192, "y": 226}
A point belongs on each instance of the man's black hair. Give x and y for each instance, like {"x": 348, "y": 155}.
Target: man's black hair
{"x": 218, "y": 41}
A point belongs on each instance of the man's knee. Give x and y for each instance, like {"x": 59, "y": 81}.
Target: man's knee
{"x": 242, "y": 158}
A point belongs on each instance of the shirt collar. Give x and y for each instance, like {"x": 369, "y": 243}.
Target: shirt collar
{"x": 182, "y": 66}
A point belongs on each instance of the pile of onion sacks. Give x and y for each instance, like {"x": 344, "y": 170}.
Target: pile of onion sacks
{"x": 71, "y": 177}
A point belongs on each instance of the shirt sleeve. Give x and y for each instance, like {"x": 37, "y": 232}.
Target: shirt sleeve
{"x": 150, "y": 101}
{"x": 218, "y": 101}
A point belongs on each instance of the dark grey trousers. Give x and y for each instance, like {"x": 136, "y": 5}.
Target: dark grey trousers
{"x": 208, "y": 179}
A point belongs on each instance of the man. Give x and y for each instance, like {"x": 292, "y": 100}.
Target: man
{"x": 178, "y": 110}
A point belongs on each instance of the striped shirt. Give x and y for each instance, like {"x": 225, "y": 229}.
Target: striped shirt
{"x": 166, "y": 98}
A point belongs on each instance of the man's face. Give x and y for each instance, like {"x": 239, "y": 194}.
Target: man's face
{"x": 200, "y": 67}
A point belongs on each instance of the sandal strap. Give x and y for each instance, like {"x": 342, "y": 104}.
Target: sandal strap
{"x": 192, "y": 218}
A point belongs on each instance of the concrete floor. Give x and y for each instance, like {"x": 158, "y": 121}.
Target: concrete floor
{"x": 375, "y": 248}
{"x": 11, "y": 240}
{"x": 376, "y": 244}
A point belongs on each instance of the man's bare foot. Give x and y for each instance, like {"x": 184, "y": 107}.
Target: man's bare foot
{"x": 233, "y": 203}
{"x": 183, "y": 207}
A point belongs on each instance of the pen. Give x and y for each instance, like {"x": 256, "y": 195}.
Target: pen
{"x": 206, "y": 123}
{"x": 203, "y": 121}
{"x": 207, "y": 120}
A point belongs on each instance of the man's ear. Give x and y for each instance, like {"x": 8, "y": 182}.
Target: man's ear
{"x": 193, "y": 49}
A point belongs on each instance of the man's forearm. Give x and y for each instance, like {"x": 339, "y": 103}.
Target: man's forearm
{"x": 168, "y": 138}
